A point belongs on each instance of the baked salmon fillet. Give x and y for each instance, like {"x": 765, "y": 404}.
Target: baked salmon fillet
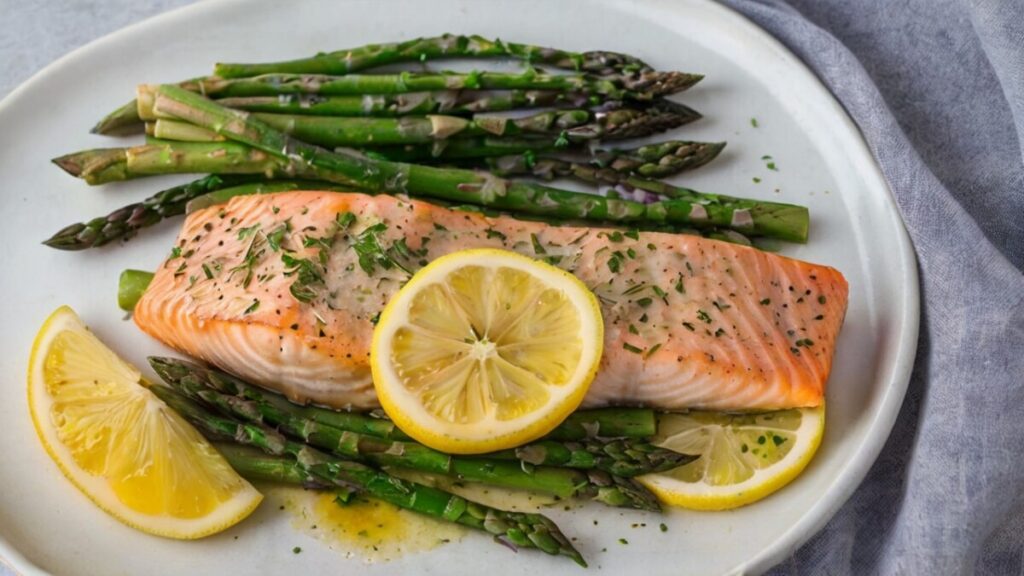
{"x": 283, "y": 290}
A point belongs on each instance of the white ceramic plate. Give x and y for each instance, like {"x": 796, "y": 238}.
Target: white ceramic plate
{"x": 46, "y": 526}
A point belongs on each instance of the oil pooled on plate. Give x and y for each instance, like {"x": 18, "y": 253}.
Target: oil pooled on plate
{"x": 368, "y": 530}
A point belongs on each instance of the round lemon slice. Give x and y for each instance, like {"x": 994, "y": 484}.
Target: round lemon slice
{"x": 485, "y": 349}
{"x": 123, "y": 447}
{"x": 743, "y": 457}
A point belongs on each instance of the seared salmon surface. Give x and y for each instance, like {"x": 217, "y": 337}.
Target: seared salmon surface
{"x": 283, "y": 290}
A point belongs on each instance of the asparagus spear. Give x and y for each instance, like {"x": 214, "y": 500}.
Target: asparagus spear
{"x": 440, "y": 47}
{"x": 626, "y": 458}
{"x": 130, "y": 286}
{"x": 620, "y": 458}
{"x": 253, "y": 464}
{"x": 125, "y": 222}
{"x": 645, "y": 87}
{"x": 464, "y": 186}
{"x": 114, "y": 164}
{"x": 515, "y": 529}
{"x": 564, "y": 125}
{"x": 125, "y": 119}
{"x": 453, "y": 102}
{"x": 610, "y": 166}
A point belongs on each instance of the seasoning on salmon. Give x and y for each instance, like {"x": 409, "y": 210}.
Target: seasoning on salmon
{"x": 284, "y": 289}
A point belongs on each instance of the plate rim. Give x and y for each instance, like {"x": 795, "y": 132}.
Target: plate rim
{"x": 879, "y": 427}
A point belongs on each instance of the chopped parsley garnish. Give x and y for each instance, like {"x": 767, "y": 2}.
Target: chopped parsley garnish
{"x": 538, "y": 248}
{"x": 207, "y": 271}
{"x": 244, "y": 233}
{"x": 634, "y": 234}
{"x": 766, "y": 302}
{"x": 276, "y": 235}
{"x": 822, "y": 300}
{"x": 492, "y": 233}
{"x": 756, "y": 180}
{"x": 372, "y": 254}
{"x": 634, "y": 289}
{"x": 652, "y": 350}
{"x": 439, "y": 227}
{"x": 679, "y": 285}
{"x": 175, "y": 252}
{"x": 661, "y": 293}
{"x": 633, "y": 330}
{"x": 689, "y": 326}
{"x": 343, "y": 220}
{"x": 615, "y": 263}
{"x": 703, "y": 317}
{"x": 631, "y": 253}
{"x": 307, "y": 274}
{"x": 719, "y": 332}
{"x": 644, "y": 302}
{"x": 252, "y": 307}
{"x": 630, "y": 348}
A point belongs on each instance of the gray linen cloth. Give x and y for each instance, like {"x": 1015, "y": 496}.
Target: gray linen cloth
{"x": 937, "y": 88}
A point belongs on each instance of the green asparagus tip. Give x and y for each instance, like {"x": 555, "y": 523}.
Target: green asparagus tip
{"x": 130, "y": 287}
{"x": 69, "y": 163}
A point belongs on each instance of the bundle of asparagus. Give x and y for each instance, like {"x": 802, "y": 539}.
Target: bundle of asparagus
{"x": 594, "y": 454}
{"x": 269, "y": 122}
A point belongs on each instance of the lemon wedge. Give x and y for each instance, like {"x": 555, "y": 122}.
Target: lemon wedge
{"x": 743, "y": 457}
{"x": 122, "y": 446}
{"x": 485, "y": 349}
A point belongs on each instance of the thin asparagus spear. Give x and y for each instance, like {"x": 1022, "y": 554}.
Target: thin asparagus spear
{"x": 255, "y": 465}
{"x": 451, "y": 102}
{"x": 610, "y": 166}
{"x": 114, "y": 164}
{"x": 97, "y": 165}
{"x": 517, "y": 529}
{"x": 125, "y": 222}
{"x": 565, "y": 125}
{"x": 124, "y": 120}
{"x": 624, "y": 457}
{"x": 461, "y": 148}
{"x": 607, "y": 423}
{"x": 203, "y": 385}
{"x": 615, "y": 87}
{"x": 464, "y": 186}
{"x": 440, "y": 47}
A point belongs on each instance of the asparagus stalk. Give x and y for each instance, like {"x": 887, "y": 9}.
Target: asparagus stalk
{"x": 626, "y": 458}
{"x": 451, "y": 102}
{"x": 647, "y": 86}
{"x": 440, "y": 47}
{"x": 114, "y": 164}
{"x": 256, "y": 465}
{"x": 565, "y": 126}
{"x": 464, "y": 186}
{"x": 623, "y": 457}
{"x": 130, "y": 286}
{"x": 610, "y": 166}
{"x": 515, "y": 529}
{"x": 125, "y": 222}
{"x": 123, "y": 120}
